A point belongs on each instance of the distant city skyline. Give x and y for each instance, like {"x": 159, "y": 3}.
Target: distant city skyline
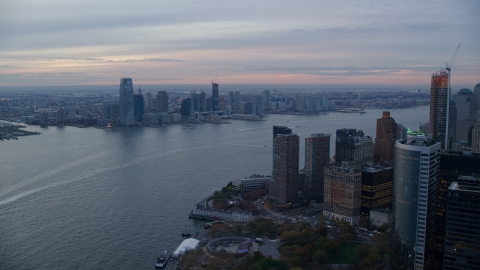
{"x": 272, "y": 42}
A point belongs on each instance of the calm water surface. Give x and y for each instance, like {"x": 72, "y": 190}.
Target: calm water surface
{"x": 87, "y": 198}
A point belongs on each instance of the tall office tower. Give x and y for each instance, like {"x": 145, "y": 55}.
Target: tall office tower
{"x": 60, "y": 116}
{"x": 162, "y": 101}
{"x": 342, "y": 194}
{"x": 415, "y": 183}
{"x": 196, "y": 100}
{"x": 250, "y": 107}
{"x": 148, "y": 102}
{"x": 138, "y": 107}
{"x": 187, "y": 110}
{"x": 267, "y": 105}
{"x": 317, "y": 157}
{"x": 353, "y": 150}
{"x": 201, "y": 102}
{"x": 259, "y": 105}
{"x": 344, "y": 146}
{"x": 215, "y": 97}
{"x": 281, "y": 130}
{"x": 208, "y": 104}
{"x": 476, "y": 138}
{"x": 462, "y": 241}
{"x": 284, "y": 183}
{"x": 476, "y": 92}
{"x": 452, "y": 124}
{"x": 385, "y": 140}
{"x": 401, "y": 132}
{"x": 439, "y": 100}
{"x": 467, "y": 110}
{"x": 237, "y": 101}
{"x": 452, "y": 165}
{"x": 125, "y": 102}
{"x": 231, "y": 99}
{"x": 111, "y": 111}
{"x": 377, "y": 188}
{"x": 44, "y": 118}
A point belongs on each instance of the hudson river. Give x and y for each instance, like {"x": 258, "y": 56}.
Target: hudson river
{"x": 88, "y": 198}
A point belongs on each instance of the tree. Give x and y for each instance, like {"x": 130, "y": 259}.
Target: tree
{"x": 320, "y": 256}
{"x": 364, "y": 222}
{"x": 322, "y": 231}
{"x": 384, "y": 227}
{"x": 345, "y": 227}
{"x": 332, "y": 247}
{"x": 345, "y": 238}
{"x": 362, "y": 251}
{"x": 381, "y": 242}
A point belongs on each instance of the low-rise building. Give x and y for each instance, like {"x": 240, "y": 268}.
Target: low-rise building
{"x": 251, "y": 183}
{"x": 380, "y": 216}
{"x": 237, "y": 215}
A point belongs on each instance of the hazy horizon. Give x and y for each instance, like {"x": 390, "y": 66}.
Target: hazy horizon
{"x": 224, "y": 88}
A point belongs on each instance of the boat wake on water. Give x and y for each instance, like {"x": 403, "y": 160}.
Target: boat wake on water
{"x": 88, "y": 175}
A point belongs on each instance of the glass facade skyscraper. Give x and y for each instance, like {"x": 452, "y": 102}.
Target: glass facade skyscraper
{"x": 462, "y": 241}
{"x": 125, "y": 102}
{"x": 439, "y": 98}
{"x": 415, "y": 184}
{"x": 215, "y": 97}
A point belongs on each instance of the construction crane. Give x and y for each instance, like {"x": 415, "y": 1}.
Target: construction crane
{"x": 449, "y": 93}
{"x": 214, "y": 79}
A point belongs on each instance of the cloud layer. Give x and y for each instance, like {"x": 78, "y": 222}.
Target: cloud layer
{"x": 375, "y": 42}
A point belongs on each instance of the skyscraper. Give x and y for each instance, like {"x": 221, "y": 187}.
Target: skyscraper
{"x": 267, "y": 105}
{"x": 237, "y": 101}
{"x": 377, "y": 188}
{"x": 215, "y": 97}
{"x": 138, "y": 107}
{"x": 385, "y": 139}
{"x": 258, "y": 99}
{"x": 60, "y": 116}
{"x": 317, "y": 157}
{"x": 281, "y": 130}
{"x": 344, "y": 145}
{"x": 162, "y": 101}
{"x": 201, "y": 102}
{"x": 415, "y": 182}
{"x": 125, "y": 102}
{"x": 342, "y": 194}
{"x": 231, "y": 98}
{"x": 187, "y": 110}
{"x": 453, "y": 164}
{"x": 439, "y": 99}
{"x": 476, "y": 138}
{"x": 148, "y": 102}
{"x": 284, "y": 183}
{"x": 467, "y": 110}
{"x": 462, "y": 241}
{"x": 352, "y": 148}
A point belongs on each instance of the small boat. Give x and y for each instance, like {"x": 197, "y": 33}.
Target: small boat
{"x": 186, "y": 233}
{"x": 163, "y": 260}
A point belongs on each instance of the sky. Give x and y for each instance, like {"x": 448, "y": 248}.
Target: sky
{"x": 92, "y": 42}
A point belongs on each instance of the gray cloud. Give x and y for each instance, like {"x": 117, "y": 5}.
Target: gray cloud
{"x": 90, "y": 59}
{"x": 324, "y": 38}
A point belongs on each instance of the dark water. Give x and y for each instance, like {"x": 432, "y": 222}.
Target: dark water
{"x": 89, "y": 198}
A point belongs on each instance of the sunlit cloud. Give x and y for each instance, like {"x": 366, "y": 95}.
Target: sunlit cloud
{"x": 243, "y": 42}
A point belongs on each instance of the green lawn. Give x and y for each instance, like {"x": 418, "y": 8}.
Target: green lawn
{"x": 346, "y": 255}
